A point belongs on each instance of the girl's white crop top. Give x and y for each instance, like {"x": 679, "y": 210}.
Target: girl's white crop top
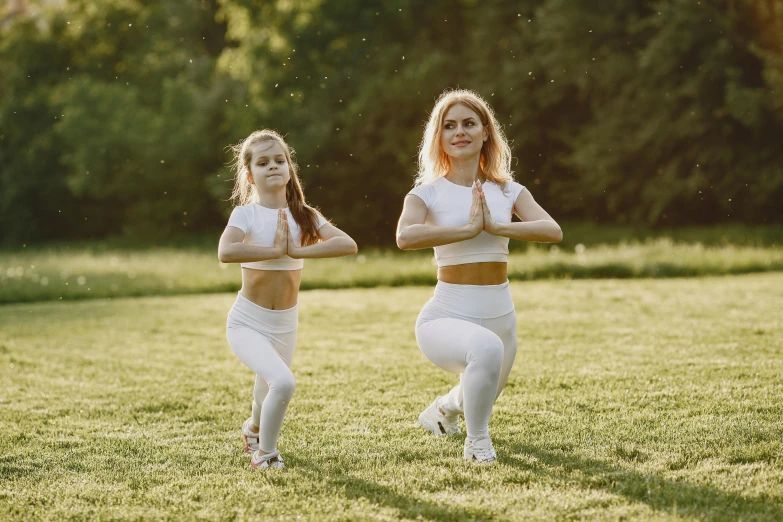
{"x": 449, "y": 206}
{"x": 259, "y": 225}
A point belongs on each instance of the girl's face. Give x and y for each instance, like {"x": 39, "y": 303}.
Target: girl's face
{"x": 268, "y": 166}
{"x": 462, "y": 134}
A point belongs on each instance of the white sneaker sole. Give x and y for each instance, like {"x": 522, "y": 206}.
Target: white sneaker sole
{"x": 275, "y": 462}
{"x": 266, "y": 465}
{"x": 470, "y": 457}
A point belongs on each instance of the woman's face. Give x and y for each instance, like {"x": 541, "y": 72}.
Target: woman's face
{"x": 462, "y": 134}
{"x": 268, "y": 165}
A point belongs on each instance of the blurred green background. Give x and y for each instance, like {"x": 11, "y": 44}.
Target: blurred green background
{"x": 115, "y": 116}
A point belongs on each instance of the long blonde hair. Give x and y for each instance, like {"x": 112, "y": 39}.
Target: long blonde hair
{"x": 495, "y": 160}
{"x": 245, "y": 192}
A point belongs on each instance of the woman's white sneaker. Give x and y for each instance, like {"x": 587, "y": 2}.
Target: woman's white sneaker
{"x": 250, "y": 437}
{"x": 480, "y": 451}
{"x": 267, "y": 460}
{"x": 437, "y": 423}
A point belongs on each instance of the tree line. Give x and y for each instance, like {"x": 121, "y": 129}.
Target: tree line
{"x": 115, "y": 117}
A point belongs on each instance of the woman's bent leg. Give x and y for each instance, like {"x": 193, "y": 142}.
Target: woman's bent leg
{"x": 504, "y": 327}
{"x": 463, "y": 347}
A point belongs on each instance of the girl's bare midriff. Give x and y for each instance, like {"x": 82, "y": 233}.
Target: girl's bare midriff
{"x": 271, "y": 289}
{"x": 474, "y": 274}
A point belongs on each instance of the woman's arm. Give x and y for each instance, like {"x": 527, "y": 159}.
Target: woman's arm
{"x": 334, "y": 243}
{"x": 412, "y": 233}
{"x": 536, "y": 224}
{"x": 232, "y": 250}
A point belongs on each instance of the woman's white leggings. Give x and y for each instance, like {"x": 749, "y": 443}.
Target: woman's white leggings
{"x": 470, "y": 330}
{"x": 264, "y": 340}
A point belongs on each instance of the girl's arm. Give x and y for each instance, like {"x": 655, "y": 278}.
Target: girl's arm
{"x": 536, "y": 224}
{"x": 334, "y": 243}
{"x": 412, "y": 233}
{"x": 232, "y": 250}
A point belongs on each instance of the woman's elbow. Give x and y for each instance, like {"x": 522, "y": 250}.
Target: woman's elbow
{"x": 557, "y": 236}
{"x": 552, "y": 233}
{"x": 353, "y": 248}
{"x": 402, "y": 242}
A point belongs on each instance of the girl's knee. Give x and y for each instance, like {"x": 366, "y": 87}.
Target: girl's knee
{"x": 283, "y": 386}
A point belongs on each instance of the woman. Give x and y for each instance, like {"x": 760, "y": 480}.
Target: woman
{"x": 271, "y": 231}
{"x": 461, "y": 206}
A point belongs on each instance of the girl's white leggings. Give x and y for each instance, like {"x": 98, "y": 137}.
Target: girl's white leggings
{"x": 470, "y": 330}
{"x": 264, "y": 340}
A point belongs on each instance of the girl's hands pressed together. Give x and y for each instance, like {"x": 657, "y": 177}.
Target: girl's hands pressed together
{"x": 282, "y": 236}
{"x": 477, "y": 212}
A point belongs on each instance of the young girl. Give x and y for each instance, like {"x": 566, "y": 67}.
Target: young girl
{"x": 270, "y": 233}
{"x": 462, "y": 205}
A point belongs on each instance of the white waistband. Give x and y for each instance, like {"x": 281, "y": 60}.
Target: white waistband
{"x": 246, "y": 313}
{"x": 477, "y": 301}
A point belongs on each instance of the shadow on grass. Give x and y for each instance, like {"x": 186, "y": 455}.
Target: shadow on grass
{"x": 669, "y": 496}
{"x": 407, "y": 506}
{"x": 9, "y": 469}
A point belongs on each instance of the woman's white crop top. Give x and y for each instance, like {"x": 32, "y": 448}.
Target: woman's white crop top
{"x": 449, "y": 206}
{"x": 259, "y": 225}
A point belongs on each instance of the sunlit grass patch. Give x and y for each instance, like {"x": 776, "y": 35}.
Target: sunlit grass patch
{"x": 81, "y": 273}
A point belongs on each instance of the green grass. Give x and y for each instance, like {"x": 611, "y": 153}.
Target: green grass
{"x": 40, "y": 274}
{"x": 653, "y": 399}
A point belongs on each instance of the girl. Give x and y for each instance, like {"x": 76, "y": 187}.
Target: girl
{"x": 461, "y": 205}
{"x": 270, "y": 233}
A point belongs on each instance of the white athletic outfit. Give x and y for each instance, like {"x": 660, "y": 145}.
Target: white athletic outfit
{"x": 469, "y": 329}
{"x": 265, "y": 339}
{"x": 260, "y": 225}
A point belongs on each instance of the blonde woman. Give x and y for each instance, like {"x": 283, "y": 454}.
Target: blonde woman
{"x": 461, "y": 206}
{"x": 269, "y": 233}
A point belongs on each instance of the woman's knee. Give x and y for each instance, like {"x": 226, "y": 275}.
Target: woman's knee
{"x": 487, "y": 350}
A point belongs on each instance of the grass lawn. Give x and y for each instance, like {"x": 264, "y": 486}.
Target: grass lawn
{"x": 651, "y": 399}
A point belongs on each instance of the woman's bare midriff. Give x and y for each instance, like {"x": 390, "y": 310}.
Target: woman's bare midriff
{"x": 271, "y": 289}
{"x": 474, "y": 274}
